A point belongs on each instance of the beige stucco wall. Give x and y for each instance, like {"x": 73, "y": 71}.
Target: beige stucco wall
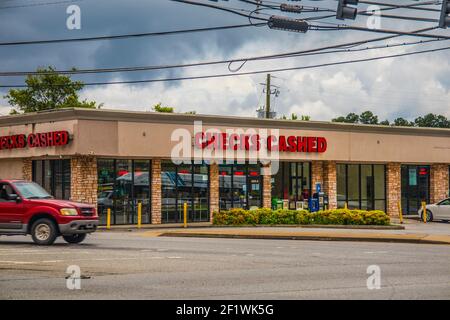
{"x": 11, "y": 169}
{"x": 149, "y": 140}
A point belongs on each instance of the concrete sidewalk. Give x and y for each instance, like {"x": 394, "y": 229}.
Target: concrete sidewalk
{"x": 398, "y": 236}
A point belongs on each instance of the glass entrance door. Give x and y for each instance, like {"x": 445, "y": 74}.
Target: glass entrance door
{"x": 415, "y": 187}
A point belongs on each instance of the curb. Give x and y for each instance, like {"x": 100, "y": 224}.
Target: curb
{"x": 304, "y": 237}
{"x": 131, "y": 228}
{"x": 315, "y": 226}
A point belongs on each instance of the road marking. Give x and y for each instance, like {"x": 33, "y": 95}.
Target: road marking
{"x": 18, "y": 262}
{"x": 80, "y": 260}
{"x": 376, "y": 252}
{"x": 40, "y": 253}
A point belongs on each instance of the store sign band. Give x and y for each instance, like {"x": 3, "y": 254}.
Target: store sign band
{"x": 34, "y": 140}
{"x": 254, "y": 142}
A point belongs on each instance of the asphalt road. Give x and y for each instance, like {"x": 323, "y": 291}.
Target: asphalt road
{"x": 133, "y": 265}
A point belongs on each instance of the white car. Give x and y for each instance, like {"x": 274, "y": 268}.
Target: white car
{"x": 437, "y": 211}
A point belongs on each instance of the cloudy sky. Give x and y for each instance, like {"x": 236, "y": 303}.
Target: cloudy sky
{"x": 407, "y": 86}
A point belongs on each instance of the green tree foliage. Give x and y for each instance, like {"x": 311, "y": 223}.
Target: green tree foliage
{"x": 432, "y": 121}
{"x": 401, "y": 122}
{"x": 350, "y": 118}
{"x": 46, "y": 91}
{"x": 159, "y": 108}
{"x": 367, "y": 117}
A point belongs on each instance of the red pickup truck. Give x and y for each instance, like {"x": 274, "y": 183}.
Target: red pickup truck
{"x": 26, "y": 208}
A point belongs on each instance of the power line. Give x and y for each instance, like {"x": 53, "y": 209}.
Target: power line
{"x": 250, "y": 72}
{"x": 134, "y": 35}
{"x": 402, "y": 33}
{"x": 400, "y": 6}
{"x": 152, "y": 68}
{"x": 39, "y": 4}
{"x": 218, "y": 8}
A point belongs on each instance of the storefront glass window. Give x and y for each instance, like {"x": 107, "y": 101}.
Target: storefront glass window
{"x": 200, "y": 193}
{"x": 122, "y": 184}
{"x": 124, "y": 192}
{"x": 341, "y": 173}
{"x": 169, "y": 210}
{"x": 106, "y": 183}
{"x": 292, "y": 182}
{"x": 361, "y": 186}
{"x": 141, "y": 192}
{"x": 184, "y": 184}
{"x": 240, "y": 186}
{"x": 53, "y": 176}
{"x": 225, "y": 187}
{"x": 415, "y": 187}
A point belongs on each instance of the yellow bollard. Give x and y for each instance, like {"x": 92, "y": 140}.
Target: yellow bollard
{"x": 400, "y": 213}
{"x": 424, "y": 211}
{"x": 185, "y": 214}
{"x": 139, "y": 215}
{"x": 108, "y": 219}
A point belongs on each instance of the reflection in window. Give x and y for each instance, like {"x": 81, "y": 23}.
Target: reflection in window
{"x": 240, "y": 186}
{"x": 361, "y": 186}
{"x": 182, "y": 184}
{"x": 122, "y": 184}
{"x": 53, "y": 176}
{"x": 292, "y": 182}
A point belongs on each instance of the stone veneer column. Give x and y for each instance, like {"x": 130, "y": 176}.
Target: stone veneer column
{"x": 84, "y": 180}
{"x": 213, "y": 190}
{"x": 267, "y": 186}
{"x": 330, "y": 183}
{"x": 393, "y": 188}
{"x": 316, "y": 174}
{"x": 156, "y": 191}
{"x": 27, "y": 169}
{"x": 439, "y": 182}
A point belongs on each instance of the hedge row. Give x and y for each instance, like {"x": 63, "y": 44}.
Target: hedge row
{"x": 282, "y": 216}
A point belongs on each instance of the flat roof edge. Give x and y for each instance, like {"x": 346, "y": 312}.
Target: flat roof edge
{"x": 218, "y": 120}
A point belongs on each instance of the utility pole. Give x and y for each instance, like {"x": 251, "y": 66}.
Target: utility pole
{"x": 265, "y": 112}
{"x": 268, "y": 92}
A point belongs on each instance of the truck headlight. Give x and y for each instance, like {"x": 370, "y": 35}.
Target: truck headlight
{"x": 68, "y": 212}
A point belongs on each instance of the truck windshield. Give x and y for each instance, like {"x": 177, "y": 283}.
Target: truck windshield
{"x": 31, "y": 190}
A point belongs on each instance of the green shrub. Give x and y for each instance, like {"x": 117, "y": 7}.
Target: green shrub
{"x": 302, "y": 217}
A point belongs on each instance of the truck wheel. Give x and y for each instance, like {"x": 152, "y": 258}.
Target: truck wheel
{"x": 75, "y": 238}
{"x": 44, "y": 232}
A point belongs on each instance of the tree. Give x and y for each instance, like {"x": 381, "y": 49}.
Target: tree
{"x": 401, "y": 122}
{"x": 350, "y": 118}
{"x": 385, "y": 123}
{"x": 159, "y": 108}
{"x": 432, "y": 121}
{"x": 367, "y": 117}
{"x": 46, "y": 91}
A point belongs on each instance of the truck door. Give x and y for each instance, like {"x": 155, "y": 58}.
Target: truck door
{"x": 11, "y": 210}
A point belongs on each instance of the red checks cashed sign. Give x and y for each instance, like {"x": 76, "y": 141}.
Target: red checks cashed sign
{"x": 224, "y": 141}
{"x": 34, "y": 140}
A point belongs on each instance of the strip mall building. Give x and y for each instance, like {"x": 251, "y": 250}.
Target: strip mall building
{"x": 115, "y": 159}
